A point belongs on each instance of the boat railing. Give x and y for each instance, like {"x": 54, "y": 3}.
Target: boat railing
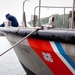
{"x": 38, "y": 18}
{"x": 64, "y": 8}
{"x": 24, "y": 15}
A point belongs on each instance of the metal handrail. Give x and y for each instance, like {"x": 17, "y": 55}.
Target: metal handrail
{"x": 52, "y": 7}
{"x": 24, "y": 16}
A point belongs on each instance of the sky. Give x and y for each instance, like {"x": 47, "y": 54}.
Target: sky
{"x": 15, "y": 7}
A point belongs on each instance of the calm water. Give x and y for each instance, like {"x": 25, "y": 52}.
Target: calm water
{"x": 9, "y": 64}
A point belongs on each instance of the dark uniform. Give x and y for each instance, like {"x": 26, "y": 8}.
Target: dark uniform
{"x": 2, "y": 25}
{"x": 13, "y": 20}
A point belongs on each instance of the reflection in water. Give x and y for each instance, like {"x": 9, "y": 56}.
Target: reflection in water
{"x": 9, "y": 64}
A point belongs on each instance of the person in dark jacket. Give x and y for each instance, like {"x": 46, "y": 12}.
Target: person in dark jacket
{"x": 2, "y": 25}
{"x": 13, "y": 20}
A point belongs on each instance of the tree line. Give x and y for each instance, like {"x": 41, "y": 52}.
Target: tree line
{"x": 59, "y": 20}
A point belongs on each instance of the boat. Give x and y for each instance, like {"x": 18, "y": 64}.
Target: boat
{"x": 47, "y": 50}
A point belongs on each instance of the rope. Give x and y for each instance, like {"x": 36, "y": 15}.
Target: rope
{"x": 19, "y": 42}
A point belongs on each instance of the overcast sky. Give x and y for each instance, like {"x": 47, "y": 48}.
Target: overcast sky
{"x": 14, "y": 7}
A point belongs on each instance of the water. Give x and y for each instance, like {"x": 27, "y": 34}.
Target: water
{"x": 9, "y": 64}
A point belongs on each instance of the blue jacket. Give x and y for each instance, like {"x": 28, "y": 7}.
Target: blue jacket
{"x": 2, "y": 25}
{"x": 13, "y": 20}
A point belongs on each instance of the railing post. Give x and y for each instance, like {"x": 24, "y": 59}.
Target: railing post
{"x": 39, "y": 10}
{"x": 64, "y": 16}
{"x": 24, "y": 16}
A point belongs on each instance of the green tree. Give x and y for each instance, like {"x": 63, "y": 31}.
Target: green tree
{"x": 58, "y": 22}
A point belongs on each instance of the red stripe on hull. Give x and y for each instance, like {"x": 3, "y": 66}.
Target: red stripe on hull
{"x": 57, "y": 66}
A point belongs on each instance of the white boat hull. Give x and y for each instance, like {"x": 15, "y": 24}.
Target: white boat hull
{"x": 34, "y": 64}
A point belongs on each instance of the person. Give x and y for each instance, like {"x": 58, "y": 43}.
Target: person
{"x": 2, "y": 25}
{"x": 70, "y": 19}
{"x": 12, "y": 19}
